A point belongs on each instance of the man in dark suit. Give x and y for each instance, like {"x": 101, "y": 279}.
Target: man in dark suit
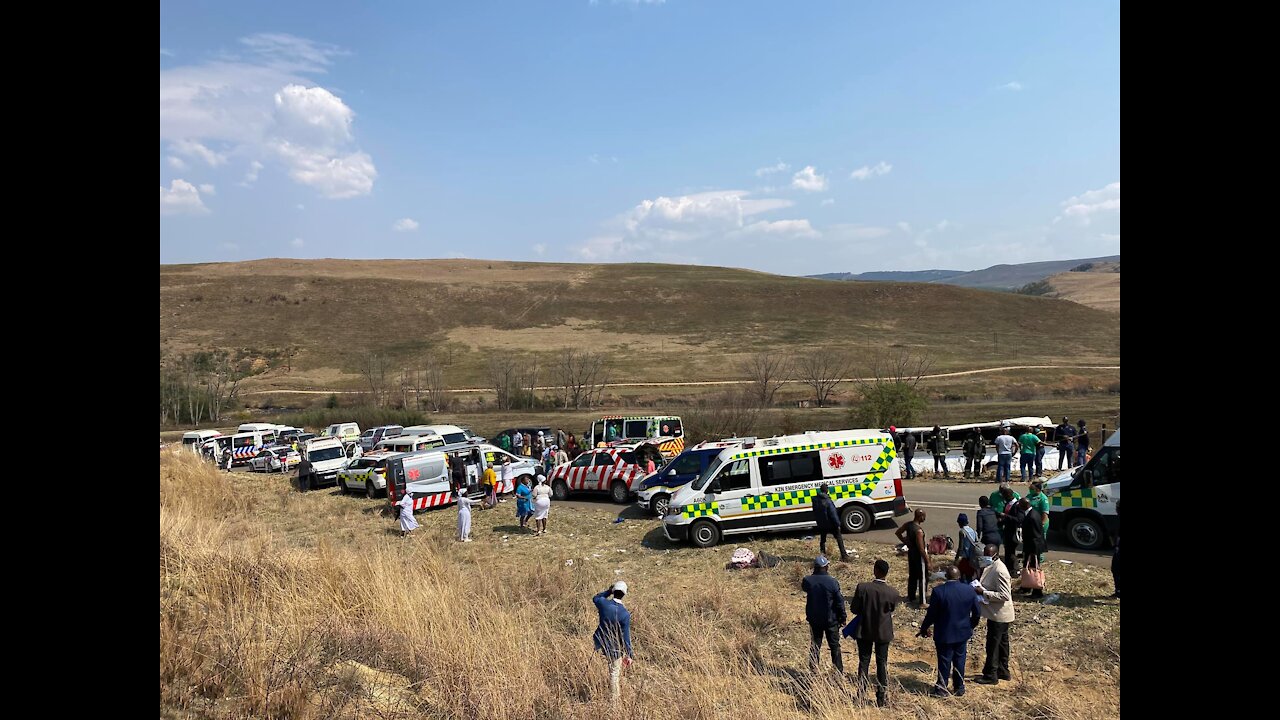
{"x": 824, "y": 513}
{"x": 955, "y": 609}
{"x": 824, "y": 609}
{"x": 874, "y": 603}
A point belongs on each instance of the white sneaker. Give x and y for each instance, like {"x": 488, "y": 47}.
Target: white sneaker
{"x": 466, "y": 540}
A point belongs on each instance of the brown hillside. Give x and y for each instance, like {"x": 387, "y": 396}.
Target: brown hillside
{"x": 1096, "y": 289}
{"x": 658, "y": 322}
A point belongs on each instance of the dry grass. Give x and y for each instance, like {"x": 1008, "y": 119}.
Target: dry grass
{"x": 285, "y": 605}
{"x": 1099, "y": 290}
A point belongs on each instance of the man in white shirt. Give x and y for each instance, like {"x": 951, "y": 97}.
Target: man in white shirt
{"x": 997, "y": 607}
{"x": 1005, "y": 444}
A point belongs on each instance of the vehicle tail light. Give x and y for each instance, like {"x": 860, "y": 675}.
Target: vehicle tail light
{"x": 897, "y": 487}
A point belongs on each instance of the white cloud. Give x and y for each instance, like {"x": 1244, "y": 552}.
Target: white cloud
{"x": 809, "y": 180}
{"x": 828, "y": 201}
{"x": 166, "y": 53}
{"x": 261, "y": 106}
{"x": 405, "y": 225}
{"x": 943, "y": 225}
{"x": 208, "y": 189}
{"x": 177, "y": 163}
{"x": 296, "y": 242}
{"x": 904, "y": 226}
{"x": 847, "y": 231}
{"x": 1082, "y": 208}
{"x": 193, "y": 149}
{"x": 540, "y": 249}
{"x": 788, "y": 228}
{"x": 181, "y": 198}
{"x": 1015, "y": 86}
{"x": 251, "y": 176}
{"x": 866, "y": 172}
{"x": 780, "y": 167}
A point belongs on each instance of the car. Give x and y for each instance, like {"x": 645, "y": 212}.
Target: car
{"x": 275, "y": 459}
{"x": 367, "y": 473}
{"x": 370, "y": 438}
{"x": 656, "y": 490}
{"x": 616, "y": 470}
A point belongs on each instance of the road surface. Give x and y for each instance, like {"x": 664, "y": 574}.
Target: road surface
{"x": 941, "y": 501}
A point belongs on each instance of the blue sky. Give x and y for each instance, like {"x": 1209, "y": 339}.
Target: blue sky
{"x": 793, "y": 138}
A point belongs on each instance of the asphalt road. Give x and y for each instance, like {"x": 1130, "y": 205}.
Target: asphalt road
{"x": 941, "y": 501}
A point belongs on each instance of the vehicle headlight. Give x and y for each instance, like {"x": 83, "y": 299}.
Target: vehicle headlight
{"x": 675, "y": 509}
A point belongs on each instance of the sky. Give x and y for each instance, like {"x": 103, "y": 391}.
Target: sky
{"x": 791, "y": 138}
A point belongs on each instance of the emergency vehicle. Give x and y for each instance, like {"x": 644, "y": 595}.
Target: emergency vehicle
{"x": 431, "y": 486}
{"x": 245, "y": 446}
{"x": 656, "y": 490}
{"x": 619, "y": 428}
{"x": 367, "y": 472}
{"x": 196, "y": 439}
{"x": 1082, "y": 501}
{"x": 617, "y": 470}
{"x": 769, "y": 484}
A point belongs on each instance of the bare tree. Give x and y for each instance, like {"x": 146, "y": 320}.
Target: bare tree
{"x": 768, "y": 373}
{"x": 502, "y": 377}
{"x": 581, "y": 375}
{"x": 437, "y": 391}
{"x": 890, "y": 391}
{"x": 823, "y": 370}
{"x": 731, "y": 413}
{"x": 374, "y": 368}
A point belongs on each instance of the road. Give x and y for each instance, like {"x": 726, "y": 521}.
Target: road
{"x": 715, "y": 382}
{"x": 941, "y": 501}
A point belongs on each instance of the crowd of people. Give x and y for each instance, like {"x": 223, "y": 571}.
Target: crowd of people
{"x": 1029, "y": 444}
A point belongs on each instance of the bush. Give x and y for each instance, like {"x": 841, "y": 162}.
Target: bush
{"x": 886, "y": 403}
{"x": 1039, "y": 287}
{"x": 1114, "y": 388}
{"x": 1022, "y": 392}
{"x": 332, "y": 402}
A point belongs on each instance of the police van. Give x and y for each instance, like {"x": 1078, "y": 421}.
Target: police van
{"x": 618, "y": 428}
{"x": 245, "y": 446}
{"x": 656, "y": 490}
{"x": 196, "y": 440}
{"x": 770, "y": 484}
{"x": 1082, "y": 502}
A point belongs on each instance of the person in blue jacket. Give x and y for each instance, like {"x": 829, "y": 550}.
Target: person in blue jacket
{"x": 613, "y": 635}
{"x": 824, "y": 609}
{"x": 828, "y": 521}
{"x": 955, "y": 609}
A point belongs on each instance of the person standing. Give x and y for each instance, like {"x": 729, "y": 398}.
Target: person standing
{"x": 1082, "y": 443}
{"x": 524, "y": 506}
{"x": 457, "y": 473}
{"x": 1027, "y": 442}
{"x": 507, "y": 474}
{"x": 1041, "y": 445}
{"x": 227, "y": 455}
{"x": 1065, "y": 435}
{"x": 527, "y": 444}
{"x": 561, "y": 457}
{"x": 908, "y": 453}
{"x": 975, "y": 451}
{"x": 1004, "y": 454}
{"x": 541, "y": 506}
{"x": 996, "y": 591}
{"x": 988, "y": 523}
{"x": 828, "y": 521}
{"x": 873, "y": 603}
{"x": 967, "y": 553}
{"x": 305, "y": 472}
{"x": 1040, "y": 502}
{"x": 911, "y": 534}
{"x": 473, "y": 468}
{"x": 1005, "y": 502}
{"x": 571, "y": 447}
{"x": 1033, "y": 545}
{"x": 560, "y": 438}
{"x": 405, "y": 506}
{"x": 613, "y": 633}
{"x": 464, "y": 516}
{"x": 491, "y": 487}
{"x": 938, "y": 446}
{"x": 954, "y": 609}
{"x": 824, "y": 609}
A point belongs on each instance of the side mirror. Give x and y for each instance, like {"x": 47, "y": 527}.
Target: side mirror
{"x": 715, "y": 486}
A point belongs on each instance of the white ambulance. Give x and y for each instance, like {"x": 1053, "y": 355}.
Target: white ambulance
{"x": 769, "y": 485}
{"x": 1082, "y": 502}
{"x": 196, "y": 439}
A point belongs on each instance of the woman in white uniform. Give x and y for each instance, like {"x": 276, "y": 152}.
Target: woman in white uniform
{"x": 464, "y": 516}
{"x": 541, "y": 505}
{"x": 407, "y": 523}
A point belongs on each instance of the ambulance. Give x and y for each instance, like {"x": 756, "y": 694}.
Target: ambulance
{"x": 656, "y": 490}
{"x": 619, "y": 428}
{"x": 196, "y": 439}
{"x": 1082, "y": 501}
{"x": 766, "y": 485}
{"x": 616, "y": 469}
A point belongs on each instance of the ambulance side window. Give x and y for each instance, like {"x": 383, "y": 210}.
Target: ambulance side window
{"x": 790, "y": 468}
{"x": 736, "y": 477}
{"x": 637, "y": 429}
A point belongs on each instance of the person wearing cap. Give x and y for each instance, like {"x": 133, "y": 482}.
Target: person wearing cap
{"x": 874, "y": 602}
{"x": 967, "y": 553}
{"x": 824, "y": 609}
{"x": 613, "y": 633}
{"x": 1065, "y": 435}
{"x": 1005, "y": 443}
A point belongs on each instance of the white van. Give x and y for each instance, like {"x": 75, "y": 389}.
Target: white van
{"x": 424, "y": 475}
{"x": 246, "y": 445}
{"x": 769, "y": 485}
{"x": 327, "y": 456}
{"x": 410, "y": 443}
{"x": 451, "y": 433}
{"x": 1082, "y": 502}
{"x": 195, "y": 440}
{"x": 268, "y": 430}
{"x": 346, "y": 432}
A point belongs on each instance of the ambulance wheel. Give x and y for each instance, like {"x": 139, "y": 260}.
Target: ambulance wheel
{"x": 618, "y": 492}
{"x": 659, "y": 504}
{"x": 704, "y": 534}
{"x": 559, "y": 490}
{"x": 1085, "y": 532}
{"x": 342, "y": 485}
{"x": 855, "y": 518}
{"x": 370, "y": 490}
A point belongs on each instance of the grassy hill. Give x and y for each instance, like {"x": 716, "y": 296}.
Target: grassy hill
{"x": 656, "y": 322}
{"x": 996, "y": 277}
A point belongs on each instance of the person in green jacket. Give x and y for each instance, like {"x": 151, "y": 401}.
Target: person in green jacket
{"x": 1040, "y": 502}
{"x": 1003, "y": 501}
{"x": 939, "y": 447}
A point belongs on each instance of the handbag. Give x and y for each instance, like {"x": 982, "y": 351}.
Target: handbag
{"x": 1031, "y": 578}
